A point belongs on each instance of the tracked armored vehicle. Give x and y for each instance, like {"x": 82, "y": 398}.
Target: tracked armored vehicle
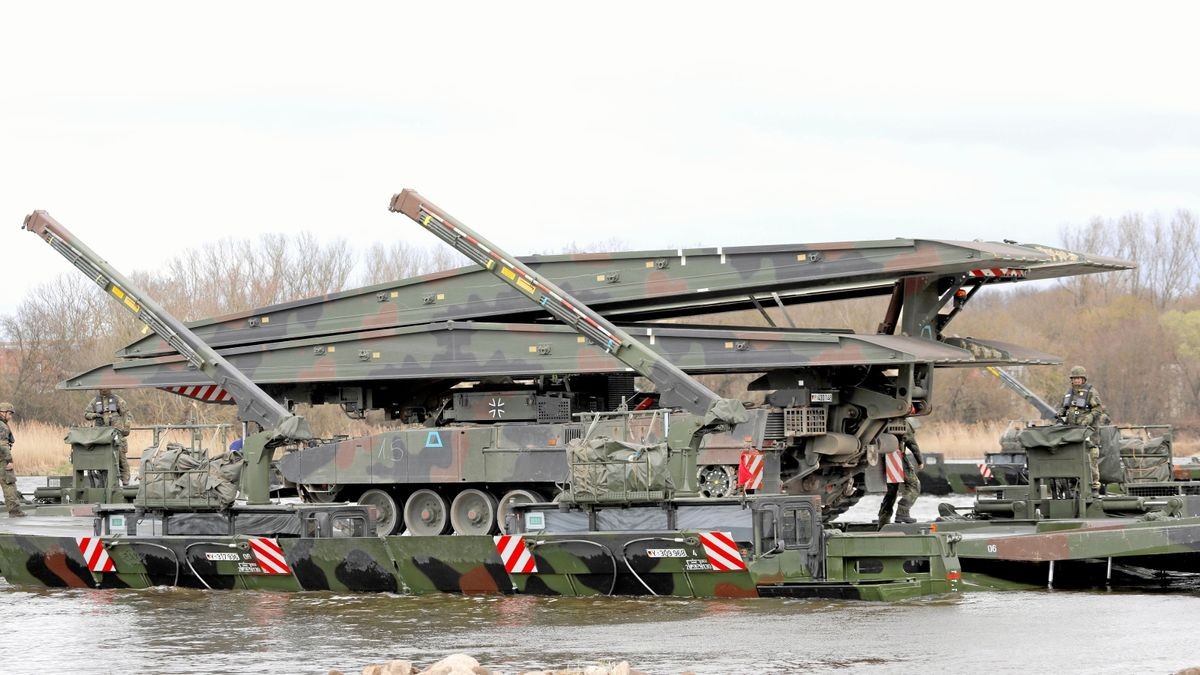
{"x": 496, "y": 387}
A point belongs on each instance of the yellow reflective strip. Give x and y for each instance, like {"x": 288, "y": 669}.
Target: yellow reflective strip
{"x": 526, "y": 286}
{"x": 118, "y": 292}
{"x": 426, "y": 219}
{"x": 532, "y": 349}
{"x": 132, "y": 305}
{"x": 508, "y": 274}
{"x": 490, "y": 264}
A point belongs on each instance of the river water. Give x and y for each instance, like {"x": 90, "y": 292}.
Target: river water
{"x": 186, "y": 631}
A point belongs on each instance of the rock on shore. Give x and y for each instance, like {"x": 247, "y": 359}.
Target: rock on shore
{"x": 461, "y": 664}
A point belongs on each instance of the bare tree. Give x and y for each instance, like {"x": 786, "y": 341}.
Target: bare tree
{"x": 399, "y": 260}
{"x": 1165, "y": 252}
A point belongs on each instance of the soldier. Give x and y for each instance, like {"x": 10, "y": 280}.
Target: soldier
{"x": 109, "y": 410}
{"x": 912, "y": 484}
{"x": 12, "y": 498}
{"x": 1081, "y": 406}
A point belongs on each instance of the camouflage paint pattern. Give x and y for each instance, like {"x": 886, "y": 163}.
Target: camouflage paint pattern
{"x": 454, "y": 352}
{"x": 1119, "y": 552}
{"x": 942, "y": 477}
{"x": 1051, "y": 531}
{"x": 569, "y": 565}
{"x": 642, "y": 285}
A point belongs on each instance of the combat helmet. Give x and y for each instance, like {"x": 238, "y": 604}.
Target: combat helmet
{"x": 7, "y": 407}
{"x": 1079, "y": 371}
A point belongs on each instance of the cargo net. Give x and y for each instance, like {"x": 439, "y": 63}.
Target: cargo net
{"x": 623, "y": 457}
{"x": 806, "y": 421}
{"x": 1146, "y": 460}
{"x": 178, "y": 476}
{"x": 609, "y": 470}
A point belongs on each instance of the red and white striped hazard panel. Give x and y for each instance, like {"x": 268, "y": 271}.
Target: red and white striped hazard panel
{"x": 515, "y": 554}
{"x": 722, "y": 552}
{"x": 985, "y": 471}
{"x": 209, "y": 393}
{"x": 94, "y": 554}
{"x": 750, "y": 470}
{"x": 998, "y": 273}
{"x": 893, "y": 466}
{"x": 269, "y": 556}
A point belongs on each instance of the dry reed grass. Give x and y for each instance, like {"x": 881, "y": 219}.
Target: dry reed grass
{"x": 40, "y": 449}
{"x": 1186, "y": 445}
{"x": 956, "y": 440}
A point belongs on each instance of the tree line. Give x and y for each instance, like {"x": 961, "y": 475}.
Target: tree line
{"x": 1137, "y": 332}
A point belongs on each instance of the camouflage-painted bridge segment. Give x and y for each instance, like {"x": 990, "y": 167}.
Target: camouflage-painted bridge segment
{"x": 465, "y": 351}
{"x": 644, "y": 286}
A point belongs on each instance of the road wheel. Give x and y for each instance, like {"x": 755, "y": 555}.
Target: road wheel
{"x": 717, "y": 480}
{"x": 473, "y": 512}
{"x": 387, "y": 514}
{"x": 509, "y": 499}
{"x": 425, "y": 512}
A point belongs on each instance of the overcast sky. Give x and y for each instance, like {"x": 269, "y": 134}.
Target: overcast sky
{"x": 151, "y": 128}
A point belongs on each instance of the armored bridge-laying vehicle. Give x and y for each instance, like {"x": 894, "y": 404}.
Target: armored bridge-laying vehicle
{"x": 630, "y": 523}
{"x": 497, "y": 386}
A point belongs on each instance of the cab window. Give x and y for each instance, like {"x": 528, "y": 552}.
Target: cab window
{"x": 766, "y": 526}
{"x": 795, "y": 528}
{"x": 349, "y": 526}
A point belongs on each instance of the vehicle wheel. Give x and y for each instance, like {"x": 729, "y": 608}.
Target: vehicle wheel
{"x": 508, "y": 500}
{"x": 473, "y": 512}
{"x": 425, "y": 513}
{"x": 387, "y": 514}
{"x": 717, "y": 480}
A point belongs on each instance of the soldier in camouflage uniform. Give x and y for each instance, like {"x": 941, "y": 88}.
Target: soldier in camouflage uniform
{"x": 110, "y": 410}
{"x": 12, "y": 498}
{"x": 1081, "y": 406}
{"x": 911, "y": 488}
